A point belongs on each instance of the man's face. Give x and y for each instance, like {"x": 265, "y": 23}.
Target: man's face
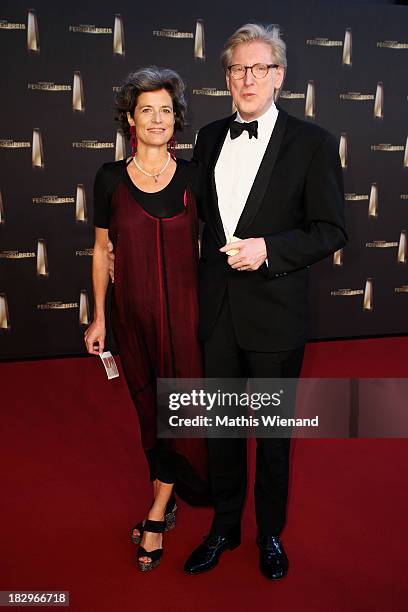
{"x": 252, "y": 96}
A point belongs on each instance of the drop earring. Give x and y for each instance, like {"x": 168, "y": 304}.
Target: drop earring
{"x": 171, "y": 147}
{"x": 133, "y": 140}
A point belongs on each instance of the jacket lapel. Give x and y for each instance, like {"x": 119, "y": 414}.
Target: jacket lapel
{"x": 262, "y": 178}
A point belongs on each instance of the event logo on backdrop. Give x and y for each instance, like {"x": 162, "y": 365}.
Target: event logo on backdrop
{"x": 211, "y": 91}
{"x": 42, "y": 259}
{"x": 84, "y": 308}
{"x": 118, "y": 36}
{"x": 7, "y": 25}
{"x": 52, "y": 199}
{"x": 57, "y": 305}
{"x": 2, "y": 217}
{"x": 8, "y": 143}
{"x": 338, "y": 257}
{"x": 33, "y": 37}
{"x": 166, "y": 33}
{"x": 198, "y": 36}
{"x": 343, "y": 148}
{"x": 120, "y": 147}
{"x": 199, "y": 41}
{"x": 291, "y": 95}
{"x": 48, "y": 86}
{"x": 92, "y": 144}
{"x": 310, "y": 110}
{"x": 80, "y": 205}
{"x": 392, "y": 44}
{"x": 400, "y": 245}
{"x": 89, "y": 29}
{"x": 17, "y": 255}
{"x": 4, "y": 316}
{"x": 37, "y": 157}
{"x": 78, "y": 101}
{"x": 371, "y": 198}
{"x": 346, "y": 45}
{"x": 367, "y": 293}
{"x": 378, "y": 108}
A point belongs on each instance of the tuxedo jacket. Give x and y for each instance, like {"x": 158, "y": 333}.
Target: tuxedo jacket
{"x": 296, "y": 204}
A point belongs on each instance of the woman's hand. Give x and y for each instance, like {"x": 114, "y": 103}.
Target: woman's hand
{"x": 95, "y": 334}
{"x": 95, "y": 337}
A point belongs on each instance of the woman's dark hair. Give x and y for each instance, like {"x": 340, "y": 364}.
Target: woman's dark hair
{"x": 150, "y": 79}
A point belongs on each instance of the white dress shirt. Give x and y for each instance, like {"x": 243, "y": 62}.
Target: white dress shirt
{"x": 237, "y": 167}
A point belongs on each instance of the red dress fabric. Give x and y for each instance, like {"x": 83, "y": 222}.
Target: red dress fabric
{"x": 154, "y": 315}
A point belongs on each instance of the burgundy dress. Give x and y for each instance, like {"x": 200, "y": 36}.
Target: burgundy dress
{"x": 154, "y": 309}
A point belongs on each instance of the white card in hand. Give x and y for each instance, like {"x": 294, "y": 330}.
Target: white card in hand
{"x": 110, "y": 365}
{"x": 233, "y": 251}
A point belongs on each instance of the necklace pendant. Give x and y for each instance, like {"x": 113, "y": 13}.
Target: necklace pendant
{"x": 154, "y": 175}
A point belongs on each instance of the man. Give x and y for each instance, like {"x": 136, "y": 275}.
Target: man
{"x": 272, "y": 184}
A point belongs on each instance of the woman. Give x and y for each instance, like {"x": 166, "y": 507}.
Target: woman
{"x": 145, "y": 206}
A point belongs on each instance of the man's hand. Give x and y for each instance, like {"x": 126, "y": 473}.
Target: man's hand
{"x": 252, "y": 254}
{"x": 111, "y": 258}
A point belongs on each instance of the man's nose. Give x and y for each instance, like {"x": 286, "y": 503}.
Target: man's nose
{"x": 249, "y": 77}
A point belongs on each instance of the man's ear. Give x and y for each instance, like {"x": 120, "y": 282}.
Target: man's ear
{"x": 130, "y": 119}
{"x": 280, "y": 75}
{"x": 227, "y": 80}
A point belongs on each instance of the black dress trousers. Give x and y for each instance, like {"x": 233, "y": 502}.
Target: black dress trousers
{"x": 223, "y": 358}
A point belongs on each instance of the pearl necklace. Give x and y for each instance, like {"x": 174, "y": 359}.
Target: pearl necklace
{"x": 155, "y": 175}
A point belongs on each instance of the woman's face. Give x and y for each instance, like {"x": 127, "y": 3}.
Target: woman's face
{"x": 153, "y": 117}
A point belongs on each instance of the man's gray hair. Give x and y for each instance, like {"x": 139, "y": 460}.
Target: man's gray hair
{"x": 254, "y": 32}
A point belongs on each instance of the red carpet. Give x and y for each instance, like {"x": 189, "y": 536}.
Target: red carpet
{"x": 74, "y": 481}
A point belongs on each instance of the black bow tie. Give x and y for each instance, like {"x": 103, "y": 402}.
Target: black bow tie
{"x": 237, "y": 128}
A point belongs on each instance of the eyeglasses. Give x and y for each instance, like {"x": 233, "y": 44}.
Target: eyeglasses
{"x": 259, "y": 71}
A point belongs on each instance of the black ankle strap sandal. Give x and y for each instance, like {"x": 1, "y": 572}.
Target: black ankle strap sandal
{"x": 154, "y": 555}
{"x": 169, "y": 519}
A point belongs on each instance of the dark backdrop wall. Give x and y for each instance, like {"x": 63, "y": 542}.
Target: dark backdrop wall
{"x": 60, "y": 66}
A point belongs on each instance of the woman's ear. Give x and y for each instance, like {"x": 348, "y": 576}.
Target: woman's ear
{"x": 130, "y": 119}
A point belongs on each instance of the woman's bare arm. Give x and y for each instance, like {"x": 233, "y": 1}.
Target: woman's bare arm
{"x": 95, "y": 334}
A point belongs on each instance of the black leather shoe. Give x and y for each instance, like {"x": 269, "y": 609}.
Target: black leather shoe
{"x": 273, "y": 561}
{"x": 207, "y": 555}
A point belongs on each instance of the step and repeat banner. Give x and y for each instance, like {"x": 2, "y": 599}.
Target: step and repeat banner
{"x": 60, "y": 68}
